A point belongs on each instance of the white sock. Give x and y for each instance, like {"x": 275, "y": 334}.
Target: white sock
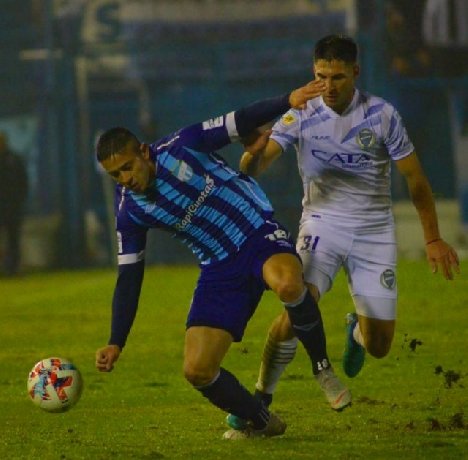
{"x": 357, "y": 335}
{"x": 276, "y": 356}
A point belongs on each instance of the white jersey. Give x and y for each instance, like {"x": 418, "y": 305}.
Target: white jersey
{"x": 344, "y": 160}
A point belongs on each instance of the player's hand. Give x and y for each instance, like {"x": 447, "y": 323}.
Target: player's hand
{"x": 256, "y": 141}
{"x": 442, "y": 255}
{"x": 106, "y": 357}
{"x": 299, "y": 97}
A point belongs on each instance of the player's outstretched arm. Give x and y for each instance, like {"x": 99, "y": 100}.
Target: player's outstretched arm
{"x": 106, "y": 357}
{"x": 249, "y": 118}
{"x": 440, "y": 254}
{"x": 260, "y": 151}
{"x": 213, "y": 134}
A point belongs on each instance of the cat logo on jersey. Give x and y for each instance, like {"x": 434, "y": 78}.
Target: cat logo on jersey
{"x": 388, "y": 279}
{"x": 288, "y": 119}
{"x": 183, "y": 171}
{"x": 365, "y": 138}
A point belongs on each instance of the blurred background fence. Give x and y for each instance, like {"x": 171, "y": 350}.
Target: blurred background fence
{"x": 71, "y": 68}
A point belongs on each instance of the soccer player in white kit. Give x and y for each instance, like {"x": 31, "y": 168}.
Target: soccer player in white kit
{"x": 345, "y": 141}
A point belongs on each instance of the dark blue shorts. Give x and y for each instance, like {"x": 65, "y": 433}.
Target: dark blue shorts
{"x": 229, "y": 291}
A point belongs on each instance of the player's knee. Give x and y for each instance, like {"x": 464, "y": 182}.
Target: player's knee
{"x": 379, "y": 346}
{"x": 289, "y": 290}
{"x": 198, "y": 375}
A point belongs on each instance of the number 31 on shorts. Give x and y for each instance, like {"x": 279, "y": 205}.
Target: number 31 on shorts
{"x": 309, "y": 243}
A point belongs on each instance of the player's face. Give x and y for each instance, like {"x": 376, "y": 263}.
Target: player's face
{"x": 131, "y": 167}
{"x": 339, "y": 78}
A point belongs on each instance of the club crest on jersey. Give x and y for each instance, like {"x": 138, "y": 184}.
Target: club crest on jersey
{"x": 388, "y": 279}
{"x": 288, "y": 119}
{"x": 183, "y": 171}
{"x": 365, "y": 138}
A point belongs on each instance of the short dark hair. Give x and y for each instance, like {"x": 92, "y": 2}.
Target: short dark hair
{"x": 339, "y": 47}
{"x": 112, "y": 141}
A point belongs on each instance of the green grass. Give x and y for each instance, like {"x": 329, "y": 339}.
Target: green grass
{"x": 145, "y": 410}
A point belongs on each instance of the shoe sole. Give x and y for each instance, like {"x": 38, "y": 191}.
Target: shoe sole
{"x": 338, "y": 405}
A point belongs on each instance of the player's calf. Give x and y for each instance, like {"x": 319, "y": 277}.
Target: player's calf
{"x": 306, "y": 321}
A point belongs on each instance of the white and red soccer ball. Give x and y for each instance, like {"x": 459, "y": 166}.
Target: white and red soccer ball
{"x": 55, "y": 384}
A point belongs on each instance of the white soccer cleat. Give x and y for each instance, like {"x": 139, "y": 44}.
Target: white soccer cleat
{"x": 336, "y": 393}
{"x": 274, "y": 427}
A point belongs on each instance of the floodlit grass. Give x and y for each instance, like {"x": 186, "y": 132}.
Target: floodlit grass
{"x": 410, "y": 405}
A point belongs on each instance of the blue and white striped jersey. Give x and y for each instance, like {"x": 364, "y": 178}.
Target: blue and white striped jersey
{"x": 195, "y": 196}
{"x": 344, "y": 160}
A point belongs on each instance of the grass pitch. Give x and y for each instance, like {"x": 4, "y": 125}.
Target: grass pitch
{"x": 410, "y": 405}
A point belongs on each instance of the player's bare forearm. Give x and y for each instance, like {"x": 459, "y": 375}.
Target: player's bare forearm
{"x": 258, "y": 156}
{"x": 440, "y": 255}
{"x": 254, "y": 146}
{"x": 421, "y": 195}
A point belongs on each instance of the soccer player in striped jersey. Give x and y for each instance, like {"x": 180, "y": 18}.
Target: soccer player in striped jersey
{"x": 180, "y": 185}
{"x": 345, "y": 140}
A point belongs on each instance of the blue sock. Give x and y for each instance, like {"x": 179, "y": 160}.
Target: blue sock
{"x": 307, "y": 324}
{"x": 227, "y": 393}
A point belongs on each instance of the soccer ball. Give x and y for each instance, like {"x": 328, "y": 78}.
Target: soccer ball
{"x": 55, "y": 384}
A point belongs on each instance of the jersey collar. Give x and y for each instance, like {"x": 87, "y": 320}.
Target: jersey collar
{"x": 348, "y": 109}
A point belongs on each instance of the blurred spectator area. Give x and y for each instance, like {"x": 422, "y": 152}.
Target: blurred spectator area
{"x": 71, "y": 68}
{"x": 18, "y": 30}
{"x": 427, "y": 37}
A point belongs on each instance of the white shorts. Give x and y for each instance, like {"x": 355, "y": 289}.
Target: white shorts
{"x": 368, "y": 258}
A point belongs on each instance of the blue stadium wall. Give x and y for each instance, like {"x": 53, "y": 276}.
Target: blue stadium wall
{"x": 189, "y": 72}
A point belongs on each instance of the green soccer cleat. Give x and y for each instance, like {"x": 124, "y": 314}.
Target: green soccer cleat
{"x": 354, "y": 354}
{"x": 235, "y": 422}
